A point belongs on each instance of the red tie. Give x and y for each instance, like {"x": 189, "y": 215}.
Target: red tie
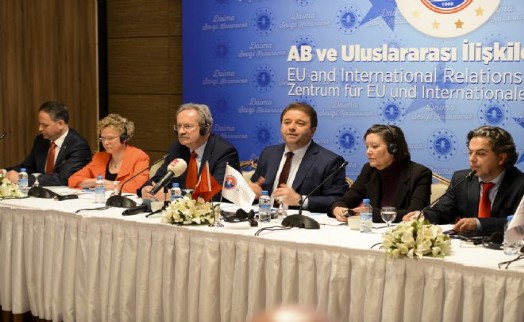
{"x": 50, "y": 164}
{"x": 485, "y": 204}
{"x": 191, "y": 177}
{"x": 284, "y": 174}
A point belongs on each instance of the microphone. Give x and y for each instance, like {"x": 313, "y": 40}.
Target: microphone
{"x": 123, "y": 202}
{"x": 135, "y": 210}
{"x": 302, "y": 221}
{"x": 466, "y": 178}
{"x": 3, "y": 135}
{"x": 174, "y": 169}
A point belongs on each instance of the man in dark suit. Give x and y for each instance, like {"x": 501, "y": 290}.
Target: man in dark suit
{"x": 308, "y": 164}
{"x": 57, "y": 152}
{"x": 193, "y": 126}
{"x": 482, "y": 202}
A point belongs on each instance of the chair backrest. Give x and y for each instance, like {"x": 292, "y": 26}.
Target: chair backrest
{"x": 439, "y": 187}
{"x": 154, "y": 169}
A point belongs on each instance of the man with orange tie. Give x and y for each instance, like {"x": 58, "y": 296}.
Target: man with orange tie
{"x": 58, "y": 151}
{"x": 196, "y": 145}
{"x": 482, "y": 202}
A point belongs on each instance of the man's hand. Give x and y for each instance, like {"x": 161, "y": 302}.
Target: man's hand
{"x": 12, "y": 176}
{"x": 159, "y": 196}
{"x": 339, "y": 213}
{"x": 257, "y": 186}
{"x": 465, "y": 224}
{"x": 410, "y": 215}
{"x": 287, "y": 195}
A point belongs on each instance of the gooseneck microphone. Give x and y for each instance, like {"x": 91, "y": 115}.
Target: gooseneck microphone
{"x": 302, "y": 221}
{"x": 123, "y": 202}
{"x": 466, "y": 178}
{"x": 174, "y": 169}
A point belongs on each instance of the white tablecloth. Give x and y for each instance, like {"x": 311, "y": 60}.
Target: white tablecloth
{"x": 100, "y": 266}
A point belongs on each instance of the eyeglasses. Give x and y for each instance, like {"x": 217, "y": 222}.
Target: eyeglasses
{"x": 186, "y": 127}
{"x": 107, "y": 139}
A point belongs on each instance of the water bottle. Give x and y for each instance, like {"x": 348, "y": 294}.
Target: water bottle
{"x": 100, "y": 190}
{"x": 366, "y": 217}
{"x": 264, "y": 207}
{"x": 23, "y": 181}
{"x": 513, "y": 248}
{"x": 176, "y": 192}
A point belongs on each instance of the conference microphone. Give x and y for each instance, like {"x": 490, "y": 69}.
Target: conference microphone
{"x": 174, "y": 169}
{"x": 302, "y": 221}
{"x": 136, "y": 210}
{"x": 123, "y": 202}
{"x": 466, "y": 178}
{"x": 3, "y": 135}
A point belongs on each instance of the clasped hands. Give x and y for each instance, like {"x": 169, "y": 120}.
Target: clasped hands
{"x": 462, "y": 225}
{"x": 284, "y": 193}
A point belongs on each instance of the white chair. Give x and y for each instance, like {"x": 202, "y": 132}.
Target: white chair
{"x": 438, "y": 188}
{"x": 248, "y": 169}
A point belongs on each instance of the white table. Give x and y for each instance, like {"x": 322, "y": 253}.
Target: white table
{"x": 101, "y": 266}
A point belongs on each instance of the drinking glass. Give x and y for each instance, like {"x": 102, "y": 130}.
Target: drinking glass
{"x": 281, "y": 211}
{"x": 36, "y": 183}
{"x": 388, "y": 214}
{"x": 115, "y": 183}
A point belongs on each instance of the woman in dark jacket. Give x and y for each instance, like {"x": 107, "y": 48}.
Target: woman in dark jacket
{"x": 390, "y": 178}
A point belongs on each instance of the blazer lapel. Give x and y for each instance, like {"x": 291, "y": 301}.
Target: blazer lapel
{"x": 472, "y": 196}
{"x": 307, "y": 162}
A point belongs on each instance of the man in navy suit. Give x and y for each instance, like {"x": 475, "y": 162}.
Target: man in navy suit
{"x": 193, "y": 126}
{"x": 309, "y": 164}
{"x": 70, "y": 152}
{"x": 492, "y": 155}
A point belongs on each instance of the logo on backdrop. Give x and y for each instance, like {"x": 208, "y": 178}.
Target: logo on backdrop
{"x": 264, "y": 78}
{"x": 264, "y": 134}
{"x": 221, "y": 49}
{"x": 305, "y": 40}
{"x": 263, "y": 22}
{"x": 347, "y": 140}
{"x": 442, "y": 144}
{"x": 304, "y": 3}
{"x": 348, "y": 19}
{"x": 494, "y": 113}
{"x": 447, "y": 19}
{"x": 391, "y": 112}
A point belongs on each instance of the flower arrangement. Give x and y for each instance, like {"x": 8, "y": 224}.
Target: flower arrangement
{"x": 8, "y": 189}
{"x": 415, "y": 239}
{"x": 186, "y": 211}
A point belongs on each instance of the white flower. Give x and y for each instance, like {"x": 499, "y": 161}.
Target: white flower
{"x": 415, "y": 239}
{"x": 8, "y": 189}
{"x": 187, "y": 211}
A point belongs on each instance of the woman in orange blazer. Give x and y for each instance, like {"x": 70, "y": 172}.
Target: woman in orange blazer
{"x": 118, "y": 162}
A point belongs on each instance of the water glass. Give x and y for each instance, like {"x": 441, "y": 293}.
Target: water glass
{"x": 388, "y": 214}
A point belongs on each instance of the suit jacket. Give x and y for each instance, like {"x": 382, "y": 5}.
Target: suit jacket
{"x": 318, "y": 163}
{"x": 74, "y": 154}
{"x": 413, "y": 192}
{"x": 463, "y": 201}
{"x": 218, "y": 153}
{"x": 134, "y": 161}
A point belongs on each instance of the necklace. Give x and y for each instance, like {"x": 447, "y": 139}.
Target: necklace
{"x": 115, "y": 164}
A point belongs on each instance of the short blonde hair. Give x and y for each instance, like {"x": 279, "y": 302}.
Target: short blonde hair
{"x": 121, "y": 124}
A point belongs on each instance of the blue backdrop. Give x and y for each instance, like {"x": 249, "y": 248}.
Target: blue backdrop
{"x": 437, "y": 69}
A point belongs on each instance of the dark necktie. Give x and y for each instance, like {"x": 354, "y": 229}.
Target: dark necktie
{"x": 191, "y": 176}
{"x": 484, "y": 203}
{"x": 284, "y": 174}
{"x": 50, "y": 164}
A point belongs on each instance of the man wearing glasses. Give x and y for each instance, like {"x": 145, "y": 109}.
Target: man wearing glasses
{"x": 481, "y": 202}
{"x": 196, "y": 145}
{"x": 58, "y": 151}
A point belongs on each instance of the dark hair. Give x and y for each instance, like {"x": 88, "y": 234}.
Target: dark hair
{"x": 56, "y": 110}
{"x": 392, "y": 135}
{"x": 501, "y": 141}
{"x": 304, "y": 107}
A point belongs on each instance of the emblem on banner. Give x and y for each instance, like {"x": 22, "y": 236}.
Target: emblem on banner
{"x": 494, "y": 113}
{"x": 230, "y": 182}
{"x": 347, "y": 140}
{"x": 348, "y": 19}
{"x": 442, "y": 144}
{"x": 391, "y": 112}
{"x": 263, "y": 21}
{"x": 264, "y": 134}
{"x": 305, "y": 40}
{"x": 264, "y": 78}
{"x": 221, "y": 49}
{"x": 304, "y": 3}
{"x": 449, "y": 18}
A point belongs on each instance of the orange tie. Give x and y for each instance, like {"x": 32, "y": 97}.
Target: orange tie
{"x": 485, "y": 204}
{"x": 50, "y": 164}
{"x": 191, "y": 177}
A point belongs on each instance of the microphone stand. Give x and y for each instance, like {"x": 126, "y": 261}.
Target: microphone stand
{"x": 124, "y": 202}
{"x": 467, "y": 177}
{"x": 302, "y": 221}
